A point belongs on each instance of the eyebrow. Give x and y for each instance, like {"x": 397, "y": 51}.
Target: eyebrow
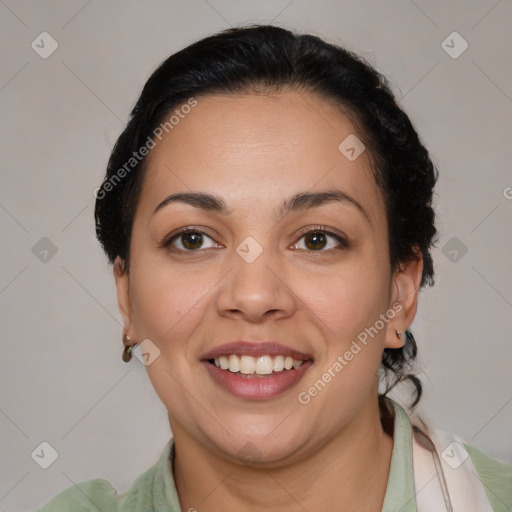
{"x": 298, "y": 202}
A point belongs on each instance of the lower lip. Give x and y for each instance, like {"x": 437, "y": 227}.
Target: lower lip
{"x": 254, "y": 387}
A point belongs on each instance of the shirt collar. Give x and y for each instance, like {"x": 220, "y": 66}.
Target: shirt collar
{"x": 164, "y": 489}
{"x": 400, "y": 491}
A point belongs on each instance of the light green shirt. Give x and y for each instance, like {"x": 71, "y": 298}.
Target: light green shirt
{"x": 154, "y": 490}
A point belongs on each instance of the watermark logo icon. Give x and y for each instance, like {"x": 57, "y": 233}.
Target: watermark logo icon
{"x": 249, "y": 453}
{"x": 146, "y": 352}
{"x": 44, "y": 455}
{"x": 249, "y": 249}
{"x": 454, "y": 249}
{"x": 351, "y": 147}
{"x": 454, "y": 45}
{"x": 44, "y": 45}
{"x": 44, "y": 250}
{"x": 454, "y": 454}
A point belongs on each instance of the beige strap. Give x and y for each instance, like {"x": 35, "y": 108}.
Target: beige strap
{"x": 445, "y": 477}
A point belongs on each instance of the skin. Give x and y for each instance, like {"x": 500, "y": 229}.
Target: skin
{"x": 255, "y": 151}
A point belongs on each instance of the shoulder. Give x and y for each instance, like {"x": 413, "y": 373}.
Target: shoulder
{"x": 496, "y": 477}
{"x": 150, "y": 489}
{"x": 99, "y": 494}
{"x": 88, "y": 496}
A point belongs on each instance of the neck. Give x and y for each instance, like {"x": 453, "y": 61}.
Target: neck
{"x": 349, "y": 471}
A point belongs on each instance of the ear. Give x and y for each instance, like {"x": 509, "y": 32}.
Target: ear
{"x": 404, "y": 300}
{"x": 123, "y": 295}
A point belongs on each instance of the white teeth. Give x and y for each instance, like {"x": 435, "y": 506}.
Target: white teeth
{"x": 234, "y": 363}
{"x": 247, "y": 364}
{"x": 262, "y": 365}
{"x": 278, "y": 363}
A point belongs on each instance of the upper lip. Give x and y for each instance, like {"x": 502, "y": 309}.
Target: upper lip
{"x": 258, "y": 349}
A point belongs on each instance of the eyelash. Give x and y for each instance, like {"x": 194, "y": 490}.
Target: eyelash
{"x": 343, "y": 242}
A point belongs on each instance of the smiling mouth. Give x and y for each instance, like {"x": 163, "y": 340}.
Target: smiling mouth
{"x": 261, "y": 366}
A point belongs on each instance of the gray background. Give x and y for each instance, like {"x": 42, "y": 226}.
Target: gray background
{"x": 63, "y": 380}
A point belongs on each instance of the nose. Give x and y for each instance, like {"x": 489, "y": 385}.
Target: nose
{"x": 257, "y": 290}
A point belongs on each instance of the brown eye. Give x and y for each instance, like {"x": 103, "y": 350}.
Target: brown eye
{"x": 189, "y": 240}
{"x": 315, "y": 240}
{"x": 320, "y": 240}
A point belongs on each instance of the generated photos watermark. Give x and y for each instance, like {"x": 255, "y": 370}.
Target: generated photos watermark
{"x": 344, "y": 359}
{"x": 137, "y": 156}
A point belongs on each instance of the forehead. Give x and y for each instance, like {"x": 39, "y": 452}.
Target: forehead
{"x": 258, "y": 148}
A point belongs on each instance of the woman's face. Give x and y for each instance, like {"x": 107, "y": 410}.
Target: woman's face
{"x": 279, "y": 273}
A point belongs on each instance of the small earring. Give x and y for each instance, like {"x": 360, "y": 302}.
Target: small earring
{"x": 128, "y": 349}
{"x": 398, "y": 334}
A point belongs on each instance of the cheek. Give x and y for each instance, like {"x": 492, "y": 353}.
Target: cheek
{"x": 167, "y": 308}
{"x": 346, "y": 308}
{"x": 167, "y": 303}
{"x": 348, "y": 299}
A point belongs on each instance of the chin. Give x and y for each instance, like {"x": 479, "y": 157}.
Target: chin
{"x": 260, "y": 447}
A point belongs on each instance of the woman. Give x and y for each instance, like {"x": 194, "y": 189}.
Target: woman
{"x": 267, "y": 212}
